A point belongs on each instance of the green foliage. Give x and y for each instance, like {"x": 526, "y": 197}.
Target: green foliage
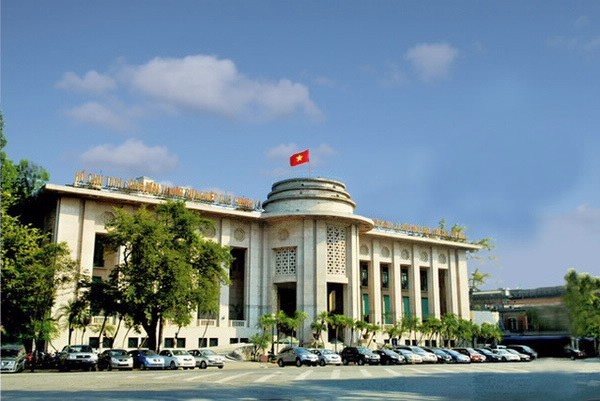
{"x": 169, "y": 270}
{"x": 33, "y": 268}
{"x": 582, "y": 298}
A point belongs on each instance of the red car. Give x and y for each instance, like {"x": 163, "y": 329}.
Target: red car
{"x": 471, "y": 353}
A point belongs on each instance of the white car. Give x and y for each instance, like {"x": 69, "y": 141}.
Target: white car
{"x": 506, "y": 356}
{"x": 327, "y": 356}
{"x": 178, "y": 358}
{"x": 206, "y": 357}
{"x": 410, "y": 356}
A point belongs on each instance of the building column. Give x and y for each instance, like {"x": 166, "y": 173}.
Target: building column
{"x": 306, "y": 283}
{"x": 396, "y": 283}
{"x": 452, "y": 285}
{"x": 463, "y": 284}
{"x": 254, "y": 284}
{"x": 223, "y": 318}
{"x": 375, "y": 281}
{"x": 415, "y": 283}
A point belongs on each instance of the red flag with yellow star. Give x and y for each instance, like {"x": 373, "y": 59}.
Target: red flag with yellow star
{"x": 300, "y": 158}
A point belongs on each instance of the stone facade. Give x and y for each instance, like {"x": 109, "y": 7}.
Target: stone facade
{"x": 303, "y": 249}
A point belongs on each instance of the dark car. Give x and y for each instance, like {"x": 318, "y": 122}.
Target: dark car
{"x": 524, "y": 349}
{"x": 359, "y": 355}
{"x": 389, "y": 357}
{"x": 471, "y": 353}
{"x": 442, "y": 356}
{"x": 574, "y": 353}
{"x": 457, "y": 357}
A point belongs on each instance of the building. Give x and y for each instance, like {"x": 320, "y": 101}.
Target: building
{"x": 303, "y": 248}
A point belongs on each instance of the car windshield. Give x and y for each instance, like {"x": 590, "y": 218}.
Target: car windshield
{"x": 326, "y": 351}
{"x": 80, "y": 348}
{"x": 208, "y": 352}
{"x": 9, "y": 352}
{"x": 364, "y": 350}
{"x": 148, "y": 353}
{"x": 119, "y": 352}
{"x": 179, "y": 352}
{"x": 303, "y": 351}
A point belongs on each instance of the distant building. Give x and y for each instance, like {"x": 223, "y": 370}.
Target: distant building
{"x": 303, "y": 248}
{"x": 526, "y": 311}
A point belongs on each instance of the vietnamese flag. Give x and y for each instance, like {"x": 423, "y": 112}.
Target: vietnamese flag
{"x": 300, "y": 158}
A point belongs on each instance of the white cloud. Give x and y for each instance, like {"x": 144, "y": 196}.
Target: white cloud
{"x": 132, "y": 157}
{"x": 91, "y": 82}
{"x": 208, "y": 84}
{"x": 104, "y": 115}
{"x": 432, "y": 61}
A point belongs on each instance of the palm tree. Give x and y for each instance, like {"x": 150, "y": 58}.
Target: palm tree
{"x": 337, "y": 322}
{"x": 372, "y": 329}
{"x": 449, "y": 327}
{"x": 298, "y": 323}
{"x": 410, "y": 324}
{"x": 74, "y": 311}
{"x": 320, "y": 325}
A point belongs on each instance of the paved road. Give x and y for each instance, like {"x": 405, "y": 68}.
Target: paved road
{"x": 546, "y": 379}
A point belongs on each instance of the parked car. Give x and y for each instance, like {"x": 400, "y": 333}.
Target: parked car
{"x": 389, "y": 357}
{"x": 77, "y": 357}
{"x": 442, "y": 356}
{"x": 574, "y": 353}
{"x": 327, "y": 356}
{"x": 207, "y": 357}
{"x": 147, "y": 359}
{"x": 359, "y": 355}
{"x": 427, "y": 357}
{"x": 489, "y": 355}
{"x": 178, "y": 358}
{"x": 115, "y": 359}
{"x": 524, "y": 349}
{"x": 471, "y": 353}
{"x": 457, "y": 357}
{"x": 296, "y": 356}
{"x": 409, "y": 356}
{"x": 12, "y": 358}
{"x": 506, "y": 356}
{"x": 522, "y": 357}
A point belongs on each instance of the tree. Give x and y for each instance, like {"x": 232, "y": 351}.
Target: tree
{"x": 319, "y": 326}
{"x": 298, "y": 323}
{"x": 449, "y": 327}
{"x": 33, "y": 268}
{"x": 169, "y": 270}
{"x": 582, "y": 298}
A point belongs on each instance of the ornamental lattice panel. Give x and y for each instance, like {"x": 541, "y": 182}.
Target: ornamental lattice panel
{"x": 285, "y": 261}
{"x": 336, "y": 250}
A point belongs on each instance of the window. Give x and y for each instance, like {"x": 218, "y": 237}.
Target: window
{"x": 181, "y": 343}
{"x": 366, "y": 308}
{"x": 364, "y": 274}
{"x": 94, "y": 342}
{"x": 387, "y": 309}
{"x": 132, "y": 342}
{"x": 169, "y": 342}
{"x": 202, "y": 342}
{"x": 406, "y": 305}
{"x": 404, "y": 278}
{"x": 424, "y": 281}
{"x": 213, "y": 342}
{"x": 99, "y": 243}
{"x": 425, "y": 308}
{"x": 385, "y": 276}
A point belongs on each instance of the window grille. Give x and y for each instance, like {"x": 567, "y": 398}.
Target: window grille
{"x": 336, "y": 250}
{"x": 285, "y": 261}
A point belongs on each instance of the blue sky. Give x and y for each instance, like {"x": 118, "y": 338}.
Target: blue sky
{"x": 484, "y": 114}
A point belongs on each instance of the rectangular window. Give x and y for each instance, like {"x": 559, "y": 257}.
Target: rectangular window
{"x": 202, "y": 342}
{"x": 364, "y": 274}
{"x": 94, "y": 342}
{"x": 234, "y": 340}
{"x": 406, "y": 305}
{"x": 181, "y": 343}
{"x": 424, "y": 281}
{"x": 366, "y": 308}
{"x": 387, "y": 309}
{"x": 214, "y": 342}
{"x": 385, "y": 276}
{"x": 99, "y": 243}
{"x": 425, "y": 308}
{"x": 169, "y": 342}
{"x": 404, "y": 278}
{"x": 132, "y": 342}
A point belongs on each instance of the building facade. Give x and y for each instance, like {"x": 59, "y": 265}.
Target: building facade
{"x": 303, "y": 249}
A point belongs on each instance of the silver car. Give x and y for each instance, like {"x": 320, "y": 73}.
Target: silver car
{"x": 207, "y": 357}
{"x": 327, "y": 356}
{"x": 296, "y": 356}
{"x": 12, "y": 358}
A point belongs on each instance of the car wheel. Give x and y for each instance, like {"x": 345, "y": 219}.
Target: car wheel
{"x": 298, "y": 362}
{"x": 221, "y": 367}
{"x": 142, "y": 366}
{"x": 280, "y": 363}
{"x": 109, "y": 367}
{"x": 345, "y": 361}
{"x": 322, "y": 362}
{"x": 361, "y": 362}
{"x": 173, "y": 366}
{"x": 203, "y": 365}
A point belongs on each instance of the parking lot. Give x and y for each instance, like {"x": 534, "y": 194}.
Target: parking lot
{"x": 545, "y": 379}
